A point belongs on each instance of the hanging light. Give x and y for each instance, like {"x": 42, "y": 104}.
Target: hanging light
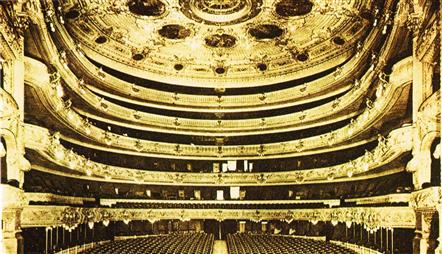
{"x": 72, "y": 163}
{"x": 59, "y": 153}
{"x": 87, "y": 129}
{"x": 70, "y": 115}
{"x": 334, "y": 222}
{"x": 52, "y": 27}
{"x": 106, "y": 222}
{"x": 101, "y": 73}
{"x": 126, "y": 221}
{"x": 314, "y": 222}
{"x": 90, "y": 224}
{"x": 330, "y": 176}
{"x": 107, "y": 138}
{"x": 365, "y": 167}
{"x": 2, "y": 150}
{"x": 348, "y": 224}
{"x": 60, "y": 91}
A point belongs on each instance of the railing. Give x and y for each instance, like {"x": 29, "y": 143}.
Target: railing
{"x": 55, "y": 198}
{"x": 357, "y": 248}
{"x": 80, "y": 248}
{"x": 388, "y": 150}
{"x": 329, "y": 202}
{"x": 372, "y": 217}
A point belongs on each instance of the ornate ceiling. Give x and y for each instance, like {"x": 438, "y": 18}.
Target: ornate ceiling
{"x": 218, "y": 43}
{"x": 336, "y": 101}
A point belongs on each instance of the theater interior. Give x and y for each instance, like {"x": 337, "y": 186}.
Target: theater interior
{"x": 220, "y": 126}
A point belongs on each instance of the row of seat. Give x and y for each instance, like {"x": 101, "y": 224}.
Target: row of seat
{"x": 246, "y": 243}
{"x": 182, "y": 243}
{"x": 215, "y": 206}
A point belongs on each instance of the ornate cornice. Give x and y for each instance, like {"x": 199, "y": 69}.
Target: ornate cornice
{"x": 70, "y": 200}
{"x": 398, "y": 142}
{"x": 427, "y": 42}
{"x": 222, "y": 103}
{"x": 122, "y": 144}
{"x": 11, "y": 41}
{"x": 427, "y": 198}
{"x": 373, "y": 217}
{"x": 11, "y": 197}
{"x": 428, "y": 118}
{"x": 148, "y": 121}
{"x": 157, "y": 63}
{"x": 385, "y": 199}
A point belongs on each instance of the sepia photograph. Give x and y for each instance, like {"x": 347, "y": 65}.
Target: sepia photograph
{"x": 220, "y": 127}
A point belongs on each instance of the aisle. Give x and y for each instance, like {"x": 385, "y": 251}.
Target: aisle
{"x": 220, "y": 247}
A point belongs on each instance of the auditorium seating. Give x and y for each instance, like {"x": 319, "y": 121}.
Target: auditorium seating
{"x": 185, "y": 243}
{"x": 245, "y": 243}
{"x": 216, "y": 206}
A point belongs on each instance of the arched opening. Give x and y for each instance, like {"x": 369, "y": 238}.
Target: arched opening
{"x": 3, "y": 164}
{"x": 1, "y": 76}
{"x": 435, "y": 163}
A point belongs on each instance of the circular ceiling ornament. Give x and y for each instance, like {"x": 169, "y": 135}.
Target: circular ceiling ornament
{"x": 175, "y": 32}
{"x": 72, "y": 14}
{"x": 302, "y": 57}
{"x": 101, "y": 39}
{"x": 261, "y": 66}
{"x": 220, "y": 70}
{"x": 220, "y": 12}
{"x": 147, "y": 7}
{"x": 178, "y": 67}
{"x": 338, "y": 40}
{"x": 220, "y": 40}
{"x": 137, "y": 56}
{"x": 265, "y": 31}
{"x": 293, "y": 8}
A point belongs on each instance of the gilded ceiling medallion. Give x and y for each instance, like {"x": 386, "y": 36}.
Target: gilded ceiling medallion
{"x": 220, "y": 41}
{"x": 178, "y": 67}
{"x": 101, "y": 39}
{"x": 265, "y": 31}
{"x": 338, "y": 40}
{"x": 72, "y": 14}
{"x": 220, "y": 70}
{"x": 292, "y": 8}
{"x": 175, "y": 32}
{"x": 261, "y": 66}
{"x": 220, "y": 12}
{"x": 137, "y": 57}
{"x": 146, "y": 7}
{"x": 302, "y": 57}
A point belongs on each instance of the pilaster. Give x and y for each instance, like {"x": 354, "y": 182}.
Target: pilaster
{"x": 13, "y": 201}
{"x": 425, "y": 203}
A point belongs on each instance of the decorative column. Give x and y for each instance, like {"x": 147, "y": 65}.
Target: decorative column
{"x": 12, "y": 94}
{"x": 424, "y": 52}
{"x": 438, "y": 249}
{"x": 424, "y": 203}
{"x": 13, "y": 202}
